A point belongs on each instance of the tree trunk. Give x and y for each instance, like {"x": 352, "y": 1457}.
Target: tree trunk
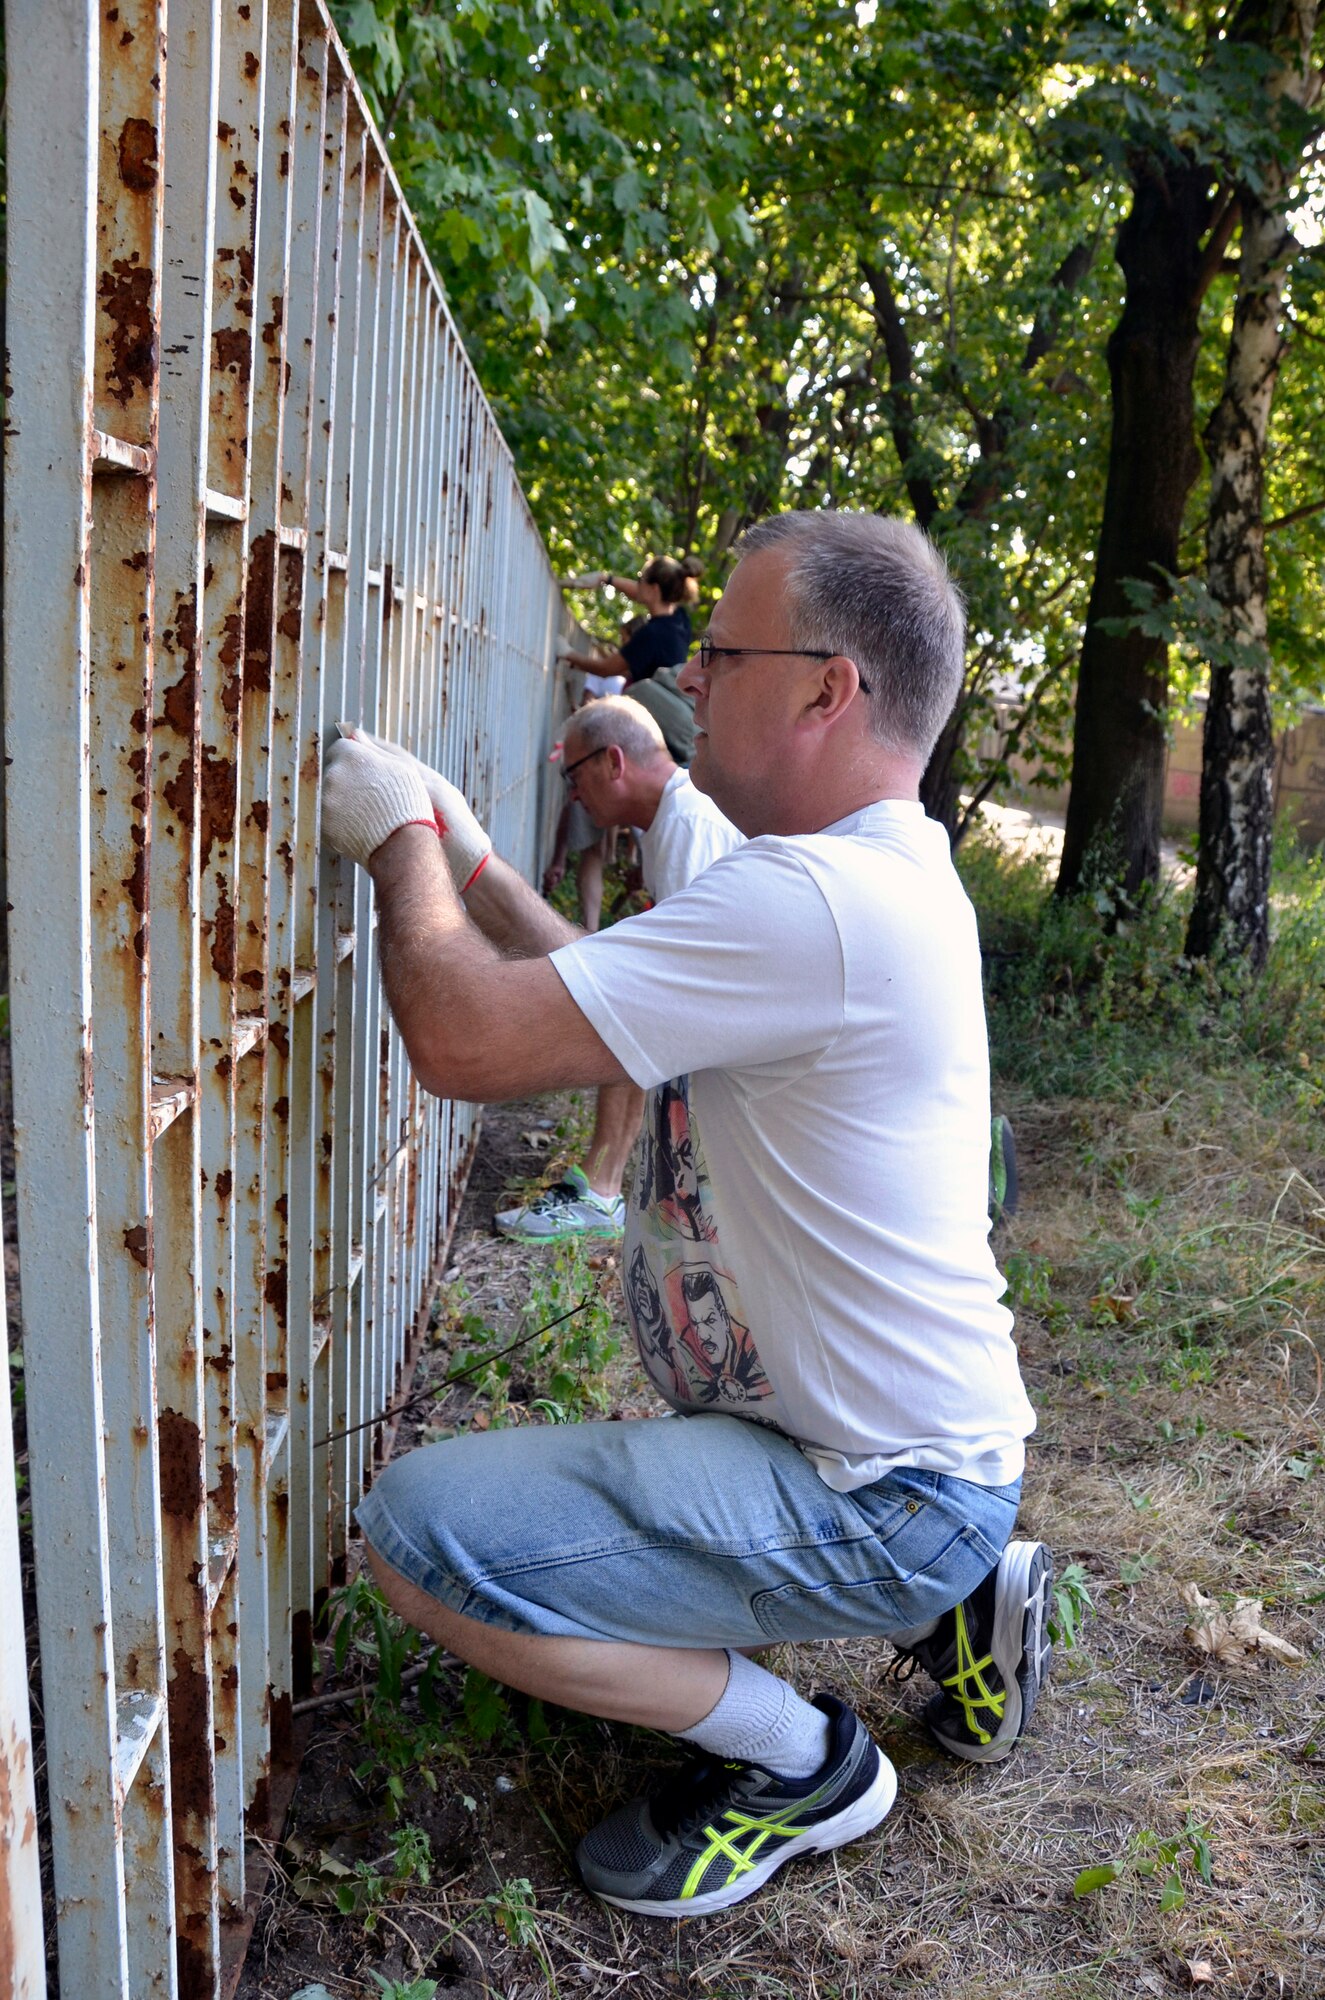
{"x": 1118, "y": 740}
{"x": 1232, "y": 904}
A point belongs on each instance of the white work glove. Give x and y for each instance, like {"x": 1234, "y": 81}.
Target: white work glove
{"x": 565, "y": 651}
{"x": 367, "y": 796}
{"x": 464, "y": 842}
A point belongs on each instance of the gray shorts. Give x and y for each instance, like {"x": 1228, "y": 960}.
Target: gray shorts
{"x": 697, "y": 1531}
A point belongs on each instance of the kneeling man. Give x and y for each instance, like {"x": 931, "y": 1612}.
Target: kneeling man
{"x": 806, "y": 1264}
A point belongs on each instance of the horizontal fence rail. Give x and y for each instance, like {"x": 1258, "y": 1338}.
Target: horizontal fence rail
{"x": 252, "y": 486}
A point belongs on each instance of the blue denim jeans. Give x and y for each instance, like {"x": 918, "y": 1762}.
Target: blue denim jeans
{"x": 678, "y": 1531}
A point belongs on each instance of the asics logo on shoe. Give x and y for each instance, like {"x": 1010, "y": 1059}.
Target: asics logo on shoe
{"x": 970, "y": 1675}
{"x": 758, "y": 1831}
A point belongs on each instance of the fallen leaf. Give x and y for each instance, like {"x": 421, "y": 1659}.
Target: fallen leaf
{"x": 1119, "y": 1305}
{"x": 1199, "y": 1971}
{"x": 1231, "y": 1636}
{"x": 538, "y": 1142}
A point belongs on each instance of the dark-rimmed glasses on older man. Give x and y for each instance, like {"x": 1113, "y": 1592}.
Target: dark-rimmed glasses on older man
{"x": 568, "y": 770}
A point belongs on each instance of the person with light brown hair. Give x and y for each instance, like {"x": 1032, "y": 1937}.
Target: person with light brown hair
{"x": 664, "y": 638}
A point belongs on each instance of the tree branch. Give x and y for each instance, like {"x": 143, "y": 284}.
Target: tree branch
{"x": 1226, "y": 218}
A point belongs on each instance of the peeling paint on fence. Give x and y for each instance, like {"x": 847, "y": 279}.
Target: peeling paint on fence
{"x": 252, "y": 486}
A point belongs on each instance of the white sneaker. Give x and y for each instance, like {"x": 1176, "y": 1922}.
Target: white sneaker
{"x": 571, "y": 1208}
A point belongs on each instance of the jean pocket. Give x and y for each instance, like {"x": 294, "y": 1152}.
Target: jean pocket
{"x": 927, "y": 1576}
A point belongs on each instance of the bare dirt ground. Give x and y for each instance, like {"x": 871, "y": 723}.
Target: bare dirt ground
{"x": 1166, "y": 1265}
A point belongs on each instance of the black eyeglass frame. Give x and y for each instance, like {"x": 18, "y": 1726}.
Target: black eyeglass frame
{"x": 708, "y": 651}
{"x": 568, "y": 770}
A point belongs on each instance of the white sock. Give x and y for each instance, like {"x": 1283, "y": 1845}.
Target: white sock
{"x": 761, "y": 1720}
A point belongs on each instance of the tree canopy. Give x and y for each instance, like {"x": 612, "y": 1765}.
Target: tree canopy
{"x": 716, "y": 260}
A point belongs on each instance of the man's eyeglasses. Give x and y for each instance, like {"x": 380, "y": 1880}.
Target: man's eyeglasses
{"x": 708, "y": 652}
{"x": 568, "y": 770}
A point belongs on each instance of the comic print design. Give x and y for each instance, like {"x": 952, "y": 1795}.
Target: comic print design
{"x": 685, "y": 1310}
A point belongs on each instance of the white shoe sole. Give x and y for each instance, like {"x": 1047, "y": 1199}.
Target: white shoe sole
{"x": 1021, "y": 1648}
{"x": 857, "y": 1819}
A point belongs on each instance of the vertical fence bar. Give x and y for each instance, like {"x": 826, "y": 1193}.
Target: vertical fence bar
{"x": 252, "y": 486}
{"x": 53, "y": 143}
{"x": 22, "y": 1950}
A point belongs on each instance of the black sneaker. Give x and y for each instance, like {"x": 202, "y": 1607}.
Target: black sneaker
{"x": 716, "y": 1832}
{"x": 990, "y": 1657}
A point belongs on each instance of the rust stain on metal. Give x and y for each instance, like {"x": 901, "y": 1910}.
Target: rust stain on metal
{"x": 222, "y": 1495}
{"x": 138, "y": 155}
{"x": 275, "y": 1290}
{"x": 252, "y": 66}
{"x": 279, "y": 1037}
{"x": 217, "y": 792}
{"x": 259, "y": 814}
{"x": 225, "y": 1182}
{"x": 223, "y": 936}
{"x": 178, "y": 794}
{"x": 271, "y": 331}
{"x": 138, "y": 1243}
{"x": 193, "y": 1806}
{"x": 126, "y": 292}
{"x": 233, "y": 348}
{"x": 259, "y": 605}
{"x": 179, "y": 1446}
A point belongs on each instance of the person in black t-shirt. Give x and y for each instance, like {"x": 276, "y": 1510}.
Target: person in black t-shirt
{"x": 664, "y": 638}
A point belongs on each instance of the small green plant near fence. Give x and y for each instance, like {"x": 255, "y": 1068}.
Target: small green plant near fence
{"x": 514, "y": 1909}
{"x": 1071, "y": 1599}
{"x": 401, "y": 1746}
{"x": 372, "y": 1884}
{"x": 560, "y": 1355}
{"x": 1166, "y": 1862}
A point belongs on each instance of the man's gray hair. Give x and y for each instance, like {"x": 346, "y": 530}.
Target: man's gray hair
{"x": 878, "y": 591}
{"x": 615, "y": 718}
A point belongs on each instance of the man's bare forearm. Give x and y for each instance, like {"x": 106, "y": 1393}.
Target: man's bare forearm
{"x": 477, "y": 1024}
{"x": 514, "y": 917}
{"x": 609, "y": 661}
{"x": 428, "y": 949}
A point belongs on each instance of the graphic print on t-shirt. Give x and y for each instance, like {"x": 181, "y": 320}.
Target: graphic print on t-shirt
{"x": 684, "y": 1308}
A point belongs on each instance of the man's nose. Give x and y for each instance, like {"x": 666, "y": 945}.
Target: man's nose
{"x": 691, "y": 677}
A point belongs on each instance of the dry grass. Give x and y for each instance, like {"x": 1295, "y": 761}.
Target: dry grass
{"x": 1168, "y": 1263}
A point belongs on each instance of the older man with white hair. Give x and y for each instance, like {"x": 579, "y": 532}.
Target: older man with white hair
{"x": 617, "y": 764}
{"x": 806, "y": 1264}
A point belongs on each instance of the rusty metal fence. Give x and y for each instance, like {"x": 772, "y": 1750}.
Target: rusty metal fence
{"x": 252, "y": 486}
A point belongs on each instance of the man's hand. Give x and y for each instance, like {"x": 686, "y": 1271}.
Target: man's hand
{"x": 367, "y": 796}
{"x": 464, "y": 842}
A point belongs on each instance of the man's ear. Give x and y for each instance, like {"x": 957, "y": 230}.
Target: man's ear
{"x": 839, "y": 681}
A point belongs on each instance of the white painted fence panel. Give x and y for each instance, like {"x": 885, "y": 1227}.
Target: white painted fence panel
{"x": 252, "y": 486}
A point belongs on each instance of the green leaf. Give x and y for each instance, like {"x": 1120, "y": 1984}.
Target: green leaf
{"x": 484, "y": 1705}
{"x": 1171, "y": 1895}
{"x": 1091, "y": 1879}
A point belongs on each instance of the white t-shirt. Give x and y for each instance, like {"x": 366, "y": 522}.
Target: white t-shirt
{"x": 601, "y": 684}
{"x": 808, "y": 1237}
{"x": 688, "y": 832}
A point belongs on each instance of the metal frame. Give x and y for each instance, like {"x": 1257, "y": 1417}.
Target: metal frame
{"x": 252, "y": 486}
